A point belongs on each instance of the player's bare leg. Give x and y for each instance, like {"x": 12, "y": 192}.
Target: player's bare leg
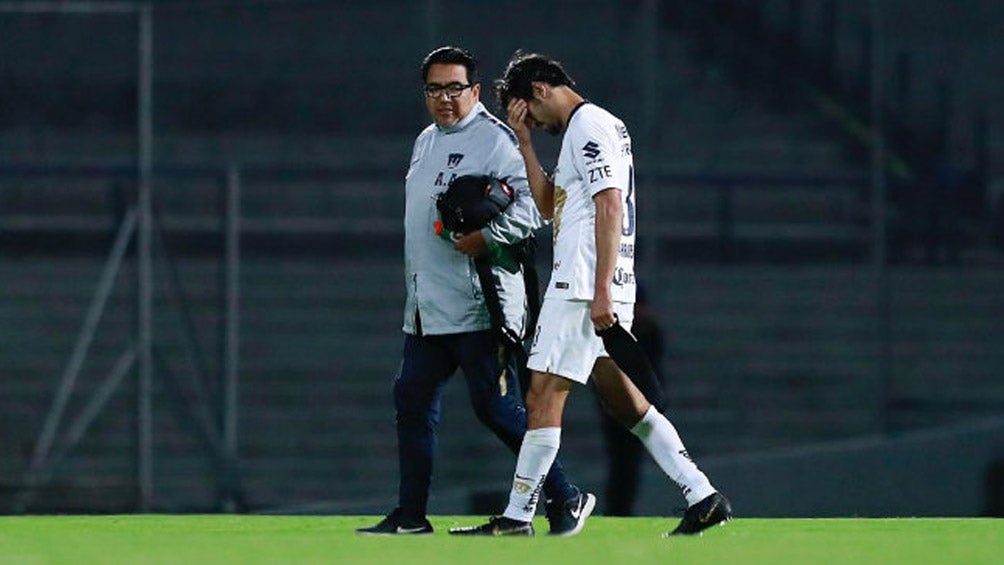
{"x": 618, "y": 395}
{"x": 545, "y": 400}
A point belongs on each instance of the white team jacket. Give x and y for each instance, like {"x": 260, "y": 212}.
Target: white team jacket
{"x": 442, "y": 285}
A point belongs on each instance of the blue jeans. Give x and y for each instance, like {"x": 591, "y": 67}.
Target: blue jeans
{"x": 428, "y": 363}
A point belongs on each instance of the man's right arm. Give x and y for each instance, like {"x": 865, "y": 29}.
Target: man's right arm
{"x": 541, "y": 185}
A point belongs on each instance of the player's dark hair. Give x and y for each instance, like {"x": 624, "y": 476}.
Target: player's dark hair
{"x": 523, "y": 70}
{"x": 451, "y": 56}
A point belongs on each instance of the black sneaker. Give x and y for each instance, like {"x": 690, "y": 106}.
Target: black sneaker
{"x": 567, "y": 518}
{"x": 397, "y": 524}
{"x": 714, "y": 509}
{"x": 496, "y": 526}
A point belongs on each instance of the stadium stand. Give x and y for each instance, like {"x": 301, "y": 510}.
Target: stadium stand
{"x": 756, "y": 211}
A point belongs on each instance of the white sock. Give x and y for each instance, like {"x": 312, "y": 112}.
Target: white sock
{"x": 664, "y": 443}
{"x": 536, "y": 454}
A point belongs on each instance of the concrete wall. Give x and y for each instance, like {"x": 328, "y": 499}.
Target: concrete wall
{"x": 938, "y": 472}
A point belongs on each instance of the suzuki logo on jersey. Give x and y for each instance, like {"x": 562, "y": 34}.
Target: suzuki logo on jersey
{"x": 453, "y": 160}
{"x": 591, "y": 150}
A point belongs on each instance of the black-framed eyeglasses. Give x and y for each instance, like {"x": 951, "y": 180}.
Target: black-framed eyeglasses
{"x": 452, "y": 90}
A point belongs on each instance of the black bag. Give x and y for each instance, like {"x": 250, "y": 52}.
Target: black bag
{"x": 471, "y": 201}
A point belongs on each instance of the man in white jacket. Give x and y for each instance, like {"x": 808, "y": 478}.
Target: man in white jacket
{"x": 446, "y": 320}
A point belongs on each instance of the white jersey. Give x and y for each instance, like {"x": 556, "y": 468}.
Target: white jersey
{"x": 595, "y": 156}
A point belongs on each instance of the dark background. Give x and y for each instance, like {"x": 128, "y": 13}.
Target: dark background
{"x": 820, "y": 232}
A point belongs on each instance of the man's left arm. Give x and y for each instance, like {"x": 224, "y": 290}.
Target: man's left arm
{"x": 519, "y": 220}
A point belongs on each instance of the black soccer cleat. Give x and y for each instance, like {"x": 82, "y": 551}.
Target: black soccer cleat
{"x": 396, "y": 524}
{"x": 496, "y": 526}
{"x": 713, "y": 510}
{"x": 567, "y": 518}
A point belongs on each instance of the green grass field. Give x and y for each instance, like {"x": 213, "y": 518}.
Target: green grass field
{"x": 297, "y": 540}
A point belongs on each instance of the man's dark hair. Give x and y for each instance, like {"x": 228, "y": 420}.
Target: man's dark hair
{"x": 523, "y": 70}
{"x": 451, "y": 56}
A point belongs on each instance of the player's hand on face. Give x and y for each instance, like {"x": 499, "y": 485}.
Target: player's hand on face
{"x": 519, "y": 118}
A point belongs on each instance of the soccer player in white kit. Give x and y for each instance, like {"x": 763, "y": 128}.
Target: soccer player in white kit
{"x": 591, "y": 200}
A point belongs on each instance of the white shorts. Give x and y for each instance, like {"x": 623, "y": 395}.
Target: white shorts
{"x": 564, "y": 342}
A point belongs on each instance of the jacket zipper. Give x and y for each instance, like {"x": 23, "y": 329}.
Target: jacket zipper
{"x": 418, "y": 317}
